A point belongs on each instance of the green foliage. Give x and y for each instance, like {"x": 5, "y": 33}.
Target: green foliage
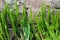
{"x": 44, "y": 27}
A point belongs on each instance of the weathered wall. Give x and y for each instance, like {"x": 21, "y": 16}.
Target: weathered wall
{"x": 33, "y": 3}
{"x": 55, "y": 3}
{"x": 1, "y": 4}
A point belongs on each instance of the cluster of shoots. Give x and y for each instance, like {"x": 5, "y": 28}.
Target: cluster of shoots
{"x": 44, "y": 26}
